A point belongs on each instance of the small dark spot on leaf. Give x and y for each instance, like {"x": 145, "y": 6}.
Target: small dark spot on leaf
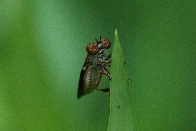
{"x": 129, "y": 80}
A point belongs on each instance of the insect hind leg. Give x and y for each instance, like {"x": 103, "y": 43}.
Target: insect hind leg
{"x": 97, "y": 83}
{"x": 103, "y": 90}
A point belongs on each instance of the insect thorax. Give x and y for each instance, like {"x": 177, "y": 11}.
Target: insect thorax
{"x": 94, "y": 60}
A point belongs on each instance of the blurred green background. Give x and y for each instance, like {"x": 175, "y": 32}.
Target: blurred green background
{"x": 42, "y": 50}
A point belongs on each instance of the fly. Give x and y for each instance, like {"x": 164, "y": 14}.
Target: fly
{"x": 94, "y": 66}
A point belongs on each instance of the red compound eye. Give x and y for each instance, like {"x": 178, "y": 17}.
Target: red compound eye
{"x": 106, "y": 43}
{"x": 92, "y": 49}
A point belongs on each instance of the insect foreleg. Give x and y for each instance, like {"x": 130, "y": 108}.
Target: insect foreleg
{"x": 108, "y": 57}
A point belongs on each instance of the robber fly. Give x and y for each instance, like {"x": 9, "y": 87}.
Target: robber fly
{"x": 94, "y": 66}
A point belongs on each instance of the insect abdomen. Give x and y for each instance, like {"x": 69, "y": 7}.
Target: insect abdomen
{"x": 90, "y": 79}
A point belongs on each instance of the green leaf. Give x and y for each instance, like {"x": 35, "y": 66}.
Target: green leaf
{"x": 121, "y": 107}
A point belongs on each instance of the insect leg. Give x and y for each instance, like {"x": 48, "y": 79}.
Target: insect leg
{"x": 108, "y": 57}
{"x": 108, "y": 63}
{"x": 107, "y": 73}
{"x": 97, "y": 83}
